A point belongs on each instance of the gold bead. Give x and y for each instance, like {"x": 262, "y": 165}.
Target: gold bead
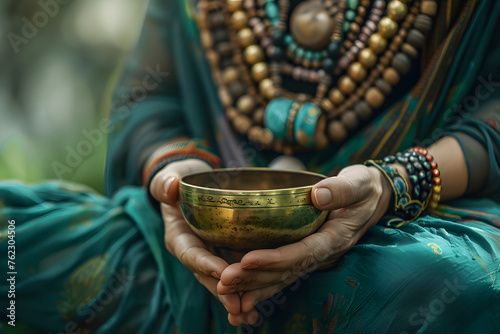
{"x": 377, "y": 43}
{"x": 260, "y": 71}
{"x": 357, "y": 72}
{"x": 246, "y": 37}
{"x": 266, "y": 88}
{"x": 436, "y": 197}
{"x": 336, "y": 96}
{"x": 253, "y": 54}
{"x": 397, "y": 10}
{"x": 387, "y": 27}
{"x": 336, "y": 131}
{"x": 245, "y": 104}
{"x": 436, "y": 189}
{"x": 230, "y": 74}
{"x": 234, "y": 4}
{"x": 367, "y": 58}
{"x": 239, "y": 19}
{"x": 346, "y": 85}
{"x": 374, "y": 97}
{"x": 391, "y": 76}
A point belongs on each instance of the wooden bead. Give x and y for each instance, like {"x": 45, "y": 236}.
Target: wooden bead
{"x": 349, "y": 120}
{"x": 429, "y": 7}
{"x": 383, "y": 86}
{"x": 336, "y": 131}
{"x": 396, "y": 10}
{"x": 377, "y": 43}
{"x": 409, "y": 50}
{"x": 239, "y": 19}
{"x": 401, "y": 62}
{"x": 416, "y": 38}
{"x": 367, "y": 58}
{"x": 229, "y": 75}
{"x": 423, "y": 23}
{"x": 234, "y": 5}
{"x": 362, "y": 110}
{"x": 206, "y": 39}
{"x": 225, "y": 97}
{"x": 258, "y": 116}
{"x": 357, "y": 72}
{"x": 242, "y": 123}
{"x": 387, "y": 27}
{"x": 253, "y": 54}
{"x": 374, "y": 97}
{"x": 336, "y": 96}
{"x": 236, "y": 89}
{"x": 346, "y": 85}
{"x": 391, "y": 76}
{"x": 246, "y": 104}
{"x": 213, "y": 58}
{"x": 246, "y": 37}
{"x": 266, "y": 88}
{"x": 231, "y": 113}
{"x": 326, "y": 105}
{"x": 260, "y": 71}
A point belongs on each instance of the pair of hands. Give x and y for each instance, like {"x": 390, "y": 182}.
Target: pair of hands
{"x": 357, "y": 198}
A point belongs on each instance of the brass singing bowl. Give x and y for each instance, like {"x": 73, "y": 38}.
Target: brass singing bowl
{"x": 250, "y": 208}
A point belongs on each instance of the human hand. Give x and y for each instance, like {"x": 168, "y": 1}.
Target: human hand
{"x": 180, "y": 239}
{"x": 357, "y": 198}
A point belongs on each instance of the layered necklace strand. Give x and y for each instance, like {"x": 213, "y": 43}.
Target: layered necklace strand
{"x": 295, "y": 77}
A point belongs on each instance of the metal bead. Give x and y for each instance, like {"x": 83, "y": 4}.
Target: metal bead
{"x": 346, "y": 85}
{"x": 384, "y": 86}
{"x": 362, "y": 110}
{"x": 349, "y": 120}
{"x": 246, "y": 37}
{"x": 401, "y": 63}
{"x": 409, "y": 50}
{"x": 377, "y": 43}
{"x": 242, "y": 123}
{"x": 423, "y": 23}
{"x": 391, "y": 76}
{"x": 246, "y": 104}
{"x": 416, "y": 38}
{"x": 253, "y": 54}
{"x": 336, "y": 96}
{"x": 336, "y": 131}
{"x": 234, "y": 4}
{"x": 230, "y": 74}
{"x": 429, "y": 7}
{"x": 258, "y": 116}
{"x": 266, "y": 88}
{"x": 387, "y": 27}
{"x": 397, "y": 10}
{"x": 357, "y": 72}
{"x": 367, "y": 58}
{"x": 260, "y": 71}
{"x": 239, "y": 19}
{"x": 374, "y": 97}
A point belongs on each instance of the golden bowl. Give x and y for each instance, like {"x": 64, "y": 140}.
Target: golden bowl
{"x": 250, "y": 208}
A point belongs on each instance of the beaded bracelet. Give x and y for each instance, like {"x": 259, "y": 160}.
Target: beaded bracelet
{"x": 426, "y": 185}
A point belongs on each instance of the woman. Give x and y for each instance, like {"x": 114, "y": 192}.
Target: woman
{"x": 331, "y": 83}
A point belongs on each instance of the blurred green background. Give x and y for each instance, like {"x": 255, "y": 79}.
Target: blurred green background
{"x": 59, "y": 62}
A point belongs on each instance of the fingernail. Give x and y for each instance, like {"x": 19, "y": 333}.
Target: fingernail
{"x": 215, "y": 275}
{"x": 168, "y": 183}
{"x": 323, "y": 196}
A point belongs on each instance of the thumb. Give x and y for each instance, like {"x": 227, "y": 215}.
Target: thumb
{"x": 340, "y": 191}
{"x": 165, "y": 184}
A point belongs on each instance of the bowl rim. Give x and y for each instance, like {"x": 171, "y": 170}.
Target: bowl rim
{"x": 250, "y": 192}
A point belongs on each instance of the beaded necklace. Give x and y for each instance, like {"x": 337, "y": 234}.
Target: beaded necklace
{"x": 297, "y": 76}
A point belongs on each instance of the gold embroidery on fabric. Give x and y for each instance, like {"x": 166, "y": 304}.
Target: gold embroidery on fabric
{"x": 437, "y": 250}
{"x": 82, "y": 286}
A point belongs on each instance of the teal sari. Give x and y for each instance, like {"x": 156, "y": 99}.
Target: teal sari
{"x": 86, "y": 263}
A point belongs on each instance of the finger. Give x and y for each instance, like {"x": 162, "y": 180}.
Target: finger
{"x": 251, "y": 298}
{"x": 235, "y": 279}
{"x": 231, "y": 302}
{"x": 165, "y": 184}
{"x": 295, "y": 259}
{"x": 343, "y": 190}
{"x": 249, "y": 318}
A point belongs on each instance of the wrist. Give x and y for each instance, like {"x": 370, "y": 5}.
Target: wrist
{"x": 384, "y": 189}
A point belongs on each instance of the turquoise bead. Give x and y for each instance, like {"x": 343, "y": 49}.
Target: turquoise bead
{"x": 272, "y": 10}
{"x": 276, "y": 116}
{"x": 349, "y": 14}
{"x": 292, "y": 47}
{"x": 308, "y": 55}
{"x": 289, "y": 39}
{"x": 346, "y": 26}
{"x": 300, "y": 52}
{"x": 305, "y": 124}
{"x": 353, "y": 4}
